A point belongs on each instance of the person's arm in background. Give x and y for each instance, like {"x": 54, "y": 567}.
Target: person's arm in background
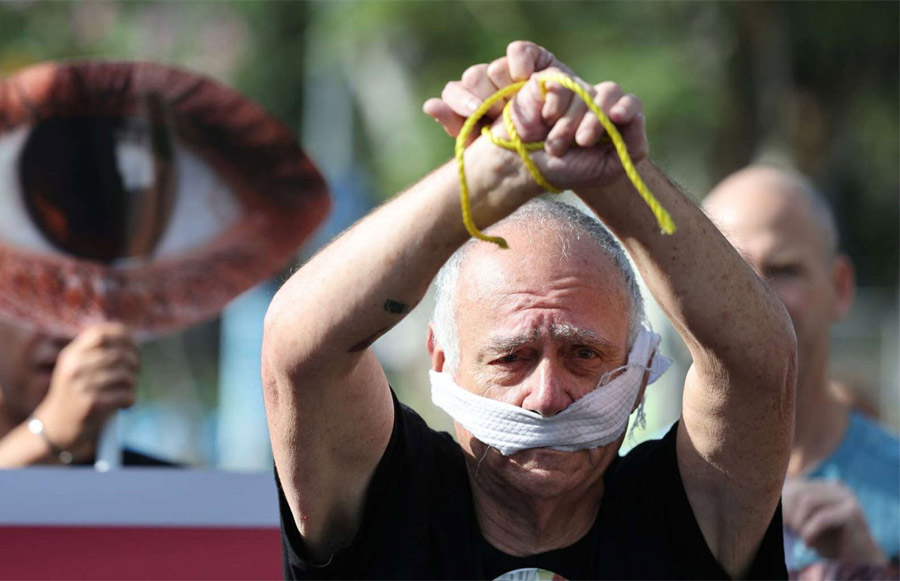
{"x": 827, "y": 516}
{"x": 737, "y": 420}
{"x": 95, "y": 375}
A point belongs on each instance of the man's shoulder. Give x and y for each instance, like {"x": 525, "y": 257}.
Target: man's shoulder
{"x": 421, "y": 437}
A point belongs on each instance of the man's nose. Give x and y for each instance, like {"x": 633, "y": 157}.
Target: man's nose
{"x": 547, "y": 395}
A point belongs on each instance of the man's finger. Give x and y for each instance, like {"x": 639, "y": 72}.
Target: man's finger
{"x": 527, "y": 112}
{"x": 475, "y": 79}
{"x": 562, "y": 135}
{"x": 116, "y": 380}
{"x": 122, "y": 359}
{"x": 591, "y": 130}
{"x": 101, "y": 335}
{"x": 557, "y": 101}
{"x": 821, "y": 521}
{"x": 625, "y": 109}
{"x": 525, "y": 58}
{"x": 803, "y": 508}
{"x": 498, "y": 73}
{"x": 460, "y": 100}
{"x": 443, "y": 114}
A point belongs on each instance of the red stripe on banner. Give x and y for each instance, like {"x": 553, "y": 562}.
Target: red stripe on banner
{"x": 37, "y": 552}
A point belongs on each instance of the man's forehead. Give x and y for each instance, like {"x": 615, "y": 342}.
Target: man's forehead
{"x": 534, "y": 248}
{"x": 765, "y": 214}
{"x": 557, "y": 331}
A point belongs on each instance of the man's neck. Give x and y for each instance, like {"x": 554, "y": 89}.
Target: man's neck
{"x": 821, "y": 422}
{"x": 522, "y": 525}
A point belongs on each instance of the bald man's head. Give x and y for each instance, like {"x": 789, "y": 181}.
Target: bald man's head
{"x": 786, "y": 232}
{"x": 778, "y": 190}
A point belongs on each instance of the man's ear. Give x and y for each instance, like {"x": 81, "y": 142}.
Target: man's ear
{"x": 843, "y": 281}
{"x": 435, "y": 351}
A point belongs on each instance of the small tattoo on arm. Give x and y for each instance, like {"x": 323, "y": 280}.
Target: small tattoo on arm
{"x": 395, "y": 307}
{"x": 391, "y": 306}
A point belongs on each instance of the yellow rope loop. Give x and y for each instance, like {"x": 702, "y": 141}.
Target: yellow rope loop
{"x": 507, "y": 144}
{"x": 523, "y": 151}
{"x": 663, "y": 218}
{"x": 461, "y": 139}
{"x": 515, "y": 143}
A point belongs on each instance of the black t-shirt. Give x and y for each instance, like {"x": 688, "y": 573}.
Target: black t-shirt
{"x": 419, "y": 522}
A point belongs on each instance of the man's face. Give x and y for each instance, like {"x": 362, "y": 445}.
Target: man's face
{"x": 538, "y": 329}
{"x": 774, "y": 228}
{"x": 27, "y": 359}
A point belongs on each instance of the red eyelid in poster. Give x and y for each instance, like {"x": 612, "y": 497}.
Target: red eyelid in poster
{"x": 271, "y": 193}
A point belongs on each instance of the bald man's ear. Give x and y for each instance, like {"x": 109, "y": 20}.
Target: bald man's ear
{"x": 435, "y": 351}
{"x": 843, "y": 280}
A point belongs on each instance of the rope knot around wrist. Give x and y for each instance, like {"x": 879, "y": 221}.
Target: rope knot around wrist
{"x": 515, "y": 143}
{"x": 36, "y": 427}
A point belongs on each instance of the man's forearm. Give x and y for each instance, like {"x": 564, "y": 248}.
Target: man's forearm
{"x": 699, "y": 280}
{"x": 737, "y": 412}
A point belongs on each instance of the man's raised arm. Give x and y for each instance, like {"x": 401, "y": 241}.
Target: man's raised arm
{"x": 737, "y": 421}
{"x": 738, "y": 405}
{"x": 327, "y": 399}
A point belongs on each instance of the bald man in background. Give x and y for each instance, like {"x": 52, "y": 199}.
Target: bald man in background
{"x": 842, "y": 495}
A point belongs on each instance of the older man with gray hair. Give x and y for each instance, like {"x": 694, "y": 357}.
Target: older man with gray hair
{"x": 538, "y": 353}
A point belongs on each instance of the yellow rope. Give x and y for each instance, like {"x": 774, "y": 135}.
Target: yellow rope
{"x": 523, "y": 151}
{"x": 461, "y": 139}
{"x": 515, "y": 143}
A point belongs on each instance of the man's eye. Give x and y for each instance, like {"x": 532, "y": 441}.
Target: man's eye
{"x": 585, "y": 353}
{"x": 511, "y": 358}
{"x": 782, "y": 271}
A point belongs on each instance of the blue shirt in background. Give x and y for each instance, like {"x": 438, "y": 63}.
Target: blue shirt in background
{"x": 867, "y": 461}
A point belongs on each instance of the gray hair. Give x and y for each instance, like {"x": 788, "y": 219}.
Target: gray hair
{"x": 571, "y": 224}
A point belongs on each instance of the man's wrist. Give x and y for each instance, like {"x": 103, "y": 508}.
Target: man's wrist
{"x": 36, "y": 427}
{"x": 498, "y": 180}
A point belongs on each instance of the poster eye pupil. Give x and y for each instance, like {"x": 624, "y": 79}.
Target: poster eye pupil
{"x": 98, "y": 188}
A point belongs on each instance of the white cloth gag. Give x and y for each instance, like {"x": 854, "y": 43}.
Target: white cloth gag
{"x": 595, "y": 420}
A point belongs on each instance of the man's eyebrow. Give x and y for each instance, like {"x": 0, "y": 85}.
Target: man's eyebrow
{"x": 581, "y": 336}
{"x": 572, "y": 334}
{"x": 505, "y": 344}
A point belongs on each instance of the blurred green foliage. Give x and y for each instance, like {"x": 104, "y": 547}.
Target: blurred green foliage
{"x": 812, "y": 84}
{"x": 809, "y": 84}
